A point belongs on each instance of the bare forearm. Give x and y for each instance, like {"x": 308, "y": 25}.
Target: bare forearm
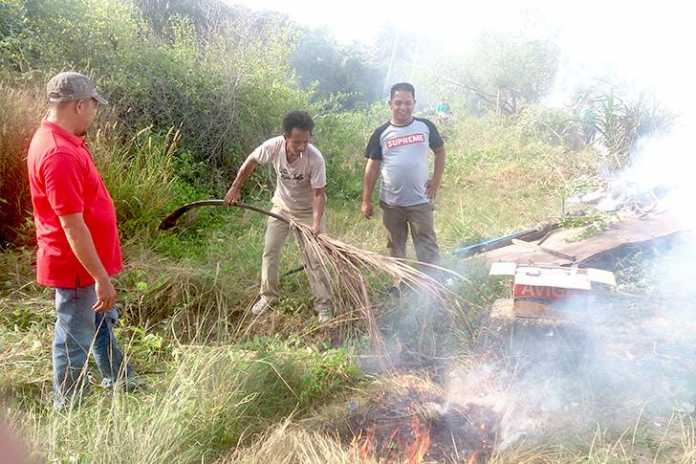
{"x": 439, "y": 167}
{"x": 233, "y": 195}
{"x": 82, "y": 245}
{"x": 318, "y": 207}
{"x": 243, "y": 174}
{"x": 369, "y": 180}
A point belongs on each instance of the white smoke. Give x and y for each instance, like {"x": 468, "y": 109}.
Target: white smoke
{"x": 631, "y": 353}
{"x": 640, "y": 349}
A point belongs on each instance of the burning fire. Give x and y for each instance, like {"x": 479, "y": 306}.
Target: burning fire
{"x": 420, "y": 445}
{"x": 415, "y": 426}
{"x": 367, "y": 446}
{"x": 413, "y": 437}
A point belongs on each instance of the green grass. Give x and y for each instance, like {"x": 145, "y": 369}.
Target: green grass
{"x": 208, "y": 400}
{"x": 222, "y": 385}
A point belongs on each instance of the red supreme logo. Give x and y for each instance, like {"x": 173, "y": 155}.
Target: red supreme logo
{"x": 405, "y": 140}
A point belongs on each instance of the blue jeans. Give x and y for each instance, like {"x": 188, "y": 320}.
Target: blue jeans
{"x": 79, "y": 330}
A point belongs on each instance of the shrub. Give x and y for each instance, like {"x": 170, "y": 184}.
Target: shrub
{"x": 225, "y": 93}
{"x": 139, "y": 174}
{"x": 342, "y": 137}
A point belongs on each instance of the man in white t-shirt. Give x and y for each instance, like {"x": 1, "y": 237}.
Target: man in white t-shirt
{"x": 299, "y": 194}
{"x": 398, "y": 153}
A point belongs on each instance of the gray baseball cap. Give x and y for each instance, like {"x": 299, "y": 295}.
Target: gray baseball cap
{"x": 70, "y": 86}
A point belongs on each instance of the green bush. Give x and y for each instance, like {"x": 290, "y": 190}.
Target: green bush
{"x": 139, "y": 175}
{"x": 139, "y": 172}
{"x": 225, "y": 93}
{"x": 342, "y": 137}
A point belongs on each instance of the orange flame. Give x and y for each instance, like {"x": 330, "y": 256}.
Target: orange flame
{"x": 367, "y": 446}
{"x": 474, "y": 458}
{"x": 417, "y": 450}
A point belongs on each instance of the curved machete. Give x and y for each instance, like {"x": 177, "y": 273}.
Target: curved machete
{"x": 170, "y": 220}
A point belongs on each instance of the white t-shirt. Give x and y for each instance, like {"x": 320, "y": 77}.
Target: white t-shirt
{"x": 295, "y": 181}
{"x": 403, "y": 153}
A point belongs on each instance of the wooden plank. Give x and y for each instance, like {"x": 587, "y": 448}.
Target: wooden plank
{"x": 627, "y": 231}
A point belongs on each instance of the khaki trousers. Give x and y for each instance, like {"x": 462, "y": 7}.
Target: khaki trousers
{"x": 398, "y": 220}
{"x": 276, "y": 234}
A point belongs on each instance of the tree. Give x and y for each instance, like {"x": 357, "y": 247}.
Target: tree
{"x": 504, "y": 74}
{"x": 336, "y": 69}
{"x": 210, "y": 18}
{"x": 206, "y": 16}
{"x": 616, "y": 120}
{"x": 13, "y": 31}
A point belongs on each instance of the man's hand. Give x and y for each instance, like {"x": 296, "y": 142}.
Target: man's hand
{"x": 318, "y": 207}
{"x": 233, "y": 196}
{"x": 431, "y": 189}
{"x": 369, "y": 179}
{"x": 80, "y": 240}
{"x": 106, "y": 295}
{"x": 367, "y": 210}
{"x": 433, "y": 185}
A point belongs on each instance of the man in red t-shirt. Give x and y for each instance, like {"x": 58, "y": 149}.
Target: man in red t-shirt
{"x": 78, "y": 244}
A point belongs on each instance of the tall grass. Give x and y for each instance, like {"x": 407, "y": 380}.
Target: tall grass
{"x": 139, "y": 174}
{"x": 213, "y": 399}
{"x": 20, "y": 116}
{"x": 138, "y": 170}
{"x": 500, "y": 178}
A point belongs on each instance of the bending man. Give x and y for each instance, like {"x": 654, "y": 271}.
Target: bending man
{"x": 300, "y": 182}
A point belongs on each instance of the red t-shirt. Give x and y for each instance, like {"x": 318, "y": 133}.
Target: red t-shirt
{"x": 63, "y": 180}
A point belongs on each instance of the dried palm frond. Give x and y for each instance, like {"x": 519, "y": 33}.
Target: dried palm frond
{"x": 344, "y": 268}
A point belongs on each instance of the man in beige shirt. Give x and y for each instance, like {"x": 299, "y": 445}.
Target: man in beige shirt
{"x": 299, "y": 195}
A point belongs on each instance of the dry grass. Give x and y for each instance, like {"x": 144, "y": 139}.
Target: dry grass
{"x": 209, "y": 401}
{"x": 164, "y": 290}
{"x": 346, "y": 268}
{"x": 20, "y": 116}
{"x": 289, "y": 444}
{"x": 643, "y": 443}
